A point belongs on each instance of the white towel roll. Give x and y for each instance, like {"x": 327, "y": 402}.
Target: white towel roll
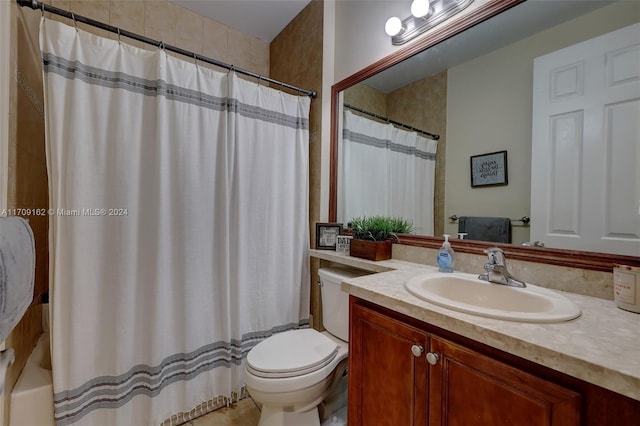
{"x": 17, "y": 271}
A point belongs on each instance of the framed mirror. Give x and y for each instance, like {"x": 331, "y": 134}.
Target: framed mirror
{"x": 482, "y": 104}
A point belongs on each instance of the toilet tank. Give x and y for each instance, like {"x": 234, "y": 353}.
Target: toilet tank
{"x": 335, "y": 302}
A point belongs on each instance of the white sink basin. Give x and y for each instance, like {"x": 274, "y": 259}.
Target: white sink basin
{"x": 466, "y": 293}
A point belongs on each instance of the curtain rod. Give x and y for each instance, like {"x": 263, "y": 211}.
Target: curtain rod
{"x": 397, "y": 123}
{"x": 36, "y": 5}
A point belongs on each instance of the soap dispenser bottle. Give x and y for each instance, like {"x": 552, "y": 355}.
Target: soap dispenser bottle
{"x": 445, "y": 256}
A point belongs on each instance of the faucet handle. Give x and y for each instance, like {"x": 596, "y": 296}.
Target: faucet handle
{"x": 495, "y": 255}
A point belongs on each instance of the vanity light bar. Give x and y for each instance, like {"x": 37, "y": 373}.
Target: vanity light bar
{"x": 440, "y": 10}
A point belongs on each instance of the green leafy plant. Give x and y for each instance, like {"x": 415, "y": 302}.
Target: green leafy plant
{"x": 379, "y": 228}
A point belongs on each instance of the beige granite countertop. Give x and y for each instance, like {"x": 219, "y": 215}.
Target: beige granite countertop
{"x": 602, "y": 346}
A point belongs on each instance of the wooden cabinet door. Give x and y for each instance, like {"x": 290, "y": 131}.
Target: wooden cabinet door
{"x": 468, "y": 389}
{"x": 387, "y": 382}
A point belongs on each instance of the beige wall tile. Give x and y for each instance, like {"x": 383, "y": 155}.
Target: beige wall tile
{"x": 259, "y": 56}
{"x": 215, "y": 40}
{"x": 61, "y": 4}
{"x": 296, "y": 58}
{"x": 367, "y": 98}
{"x": 128, "y": 15}
{"x": 97, "y": 9}
{"x": 239, "y": 53}
{"x": 189, "y": 30}
{"x": 160, "y": 21}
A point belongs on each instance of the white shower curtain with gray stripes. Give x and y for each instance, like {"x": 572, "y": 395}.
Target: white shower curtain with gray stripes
{"x": 386, "y": 171}
{"x": 179, "y": 227}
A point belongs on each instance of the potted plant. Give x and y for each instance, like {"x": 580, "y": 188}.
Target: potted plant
{"x": 373, "y": 236}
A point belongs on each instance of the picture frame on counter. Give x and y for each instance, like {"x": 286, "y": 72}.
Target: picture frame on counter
{"x": 343, "y": 243}
{"x": 327, "y": 235}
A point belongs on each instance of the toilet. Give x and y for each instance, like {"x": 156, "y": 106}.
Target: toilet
{"x": 291, "y": 373}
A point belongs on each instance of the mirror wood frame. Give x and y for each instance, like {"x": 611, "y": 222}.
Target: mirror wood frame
{"x": 559, "y": 257}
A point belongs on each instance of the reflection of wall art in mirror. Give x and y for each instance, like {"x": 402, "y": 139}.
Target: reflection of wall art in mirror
{"x": 489, "y": 169}
{"x": 327, "y": 235}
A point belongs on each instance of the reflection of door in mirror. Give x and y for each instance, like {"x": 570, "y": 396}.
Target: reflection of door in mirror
{"x": 586, "y": 145}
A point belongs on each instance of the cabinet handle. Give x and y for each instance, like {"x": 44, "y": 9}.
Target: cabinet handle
{"x": 432, "y": 358}
{"x": 417, "y": 350}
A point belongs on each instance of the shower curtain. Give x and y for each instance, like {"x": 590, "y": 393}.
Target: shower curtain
{"x": 179, "y": 227}
{"x": 387, "y": 171}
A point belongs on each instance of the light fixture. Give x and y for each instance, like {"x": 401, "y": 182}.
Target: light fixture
{"x": 393, "y": 26}
{"x": 420, "y": 8}
{"x": 425, "y": 14}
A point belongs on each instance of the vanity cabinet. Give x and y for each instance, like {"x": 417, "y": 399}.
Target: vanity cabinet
{"x": 468, "y": 388}
{"x": 403, "y": 374}
{"x": 387, "y": 382}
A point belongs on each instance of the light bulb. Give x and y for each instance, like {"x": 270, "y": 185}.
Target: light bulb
{"x": 420, "y": 8}
{"x": 393, "y": 26}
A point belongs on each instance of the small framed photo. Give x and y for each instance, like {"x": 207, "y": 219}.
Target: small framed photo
{"x": 327, "y": 235}
{"x": 489, "y": 169}
{"x": 343, "y": 243}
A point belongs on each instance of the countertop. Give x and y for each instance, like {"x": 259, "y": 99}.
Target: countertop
{"x": 602, "y": 346}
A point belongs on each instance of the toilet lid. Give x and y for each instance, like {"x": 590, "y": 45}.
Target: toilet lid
{"x": 291, "y": 353}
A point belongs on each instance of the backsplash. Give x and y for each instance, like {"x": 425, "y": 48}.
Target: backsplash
{"x": 575, "y": 280}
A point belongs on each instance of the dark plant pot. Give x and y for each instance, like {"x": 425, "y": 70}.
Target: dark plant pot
{"x": 371, "y": 250}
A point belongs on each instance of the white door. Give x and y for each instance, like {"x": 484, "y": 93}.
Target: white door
{"x": 585, "y": 169}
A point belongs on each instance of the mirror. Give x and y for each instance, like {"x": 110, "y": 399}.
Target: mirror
{"x": 446, "y": 82}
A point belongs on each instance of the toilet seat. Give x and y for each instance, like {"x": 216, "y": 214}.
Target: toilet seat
{"x": 292, "y": 353}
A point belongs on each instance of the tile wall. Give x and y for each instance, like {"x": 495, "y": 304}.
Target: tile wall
{"x": 296, "y": 57}
{"x": 575, "y": 280}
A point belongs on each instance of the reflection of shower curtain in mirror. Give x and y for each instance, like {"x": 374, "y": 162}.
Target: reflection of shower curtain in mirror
{"x": 387, "y": 171}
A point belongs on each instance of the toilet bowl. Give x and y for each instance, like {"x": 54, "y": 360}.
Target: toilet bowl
{"x": 291, "y": 373}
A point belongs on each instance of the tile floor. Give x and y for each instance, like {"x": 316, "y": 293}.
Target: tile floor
{"x": 242, "y": 413}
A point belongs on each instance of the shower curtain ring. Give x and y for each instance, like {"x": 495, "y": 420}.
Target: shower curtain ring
{"x": 259, "y": 79}
{"x": 41, "y": 7}
{"x": 161, "y": 45}
{"x": 75, "y": 24}
{"x": 232, "y": 68}
{"x": 195, "y": 59}
{"x": 119, "y": 41}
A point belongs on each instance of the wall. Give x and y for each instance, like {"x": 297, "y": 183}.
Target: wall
{"x": 296, "y": 57}
{"x": 359, "y": 31}
{"x": 161, "y": 20}
{"x": 499, "y": 86}
{"x": 26, "y": 185}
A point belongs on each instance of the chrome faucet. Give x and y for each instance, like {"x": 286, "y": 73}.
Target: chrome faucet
{"x": 497, "y": 271}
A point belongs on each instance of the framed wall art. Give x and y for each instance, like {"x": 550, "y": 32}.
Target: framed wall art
{"x": 489, "y": 169}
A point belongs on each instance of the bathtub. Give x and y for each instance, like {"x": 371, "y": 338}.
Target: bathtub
{"x": 32, "y": 396}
